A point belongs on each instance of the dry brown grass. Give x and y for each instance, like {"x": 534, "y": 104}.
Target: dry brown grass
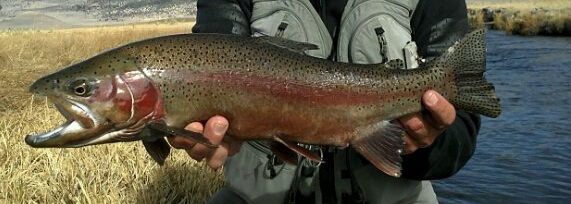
{"x": 526, "y": 17}
{"x": 114, "y": 173}
{"x": 556, "y": 22}
{"x": 476, "y": 19}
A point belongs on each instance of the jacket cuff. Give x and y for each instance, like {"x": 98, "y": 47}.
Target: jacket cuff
{"x": 449, "y": 152}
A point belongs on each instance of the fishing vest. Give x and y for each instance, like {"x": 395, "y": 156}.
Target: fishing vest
{"x": 370, "y": 31}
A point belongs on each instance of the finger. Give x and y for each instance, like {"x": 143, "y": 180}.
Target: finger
{"x": 414, "y": 126}
{"x": 214, "y": 131}
{"x": 195, "y": 127}
{"x": 183, "y": 142}
{"x": 234, "y": 145}
{"x": 421, "y": 133}
{"x": 198, "y": 152}
{"x": 441, "y": 111}
{"x": 216, "y": 160}
{"x": 410, "y": 146}
{"x": 413, "y": 144}
{"x": 180, "y": 142}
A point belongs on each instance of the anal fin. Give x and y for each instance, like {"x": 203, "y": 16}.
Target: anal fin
{"x": 382, "y": 145}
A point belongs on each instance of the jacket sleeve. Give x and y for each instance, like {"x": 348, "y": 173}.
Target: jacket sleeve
{"x": 223, "y": 16}
{"x": 436, "y": 25}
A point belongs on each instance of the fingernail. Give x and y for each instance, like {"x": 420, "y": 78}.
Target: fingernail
{"x": 219, "y": 128}
{"x": 431, "y": 99}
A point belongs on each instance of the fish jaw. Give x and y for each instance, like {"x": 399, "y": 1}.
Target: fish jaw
{"x": 81, "y": 126}
{"x": 117, "y": 111}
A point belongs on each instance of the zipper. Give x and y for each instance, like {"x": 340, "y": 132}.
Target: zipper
{"x": 281, "y": 29}
{"x": 363, "y": 23}
{"x": 382, "y": 43}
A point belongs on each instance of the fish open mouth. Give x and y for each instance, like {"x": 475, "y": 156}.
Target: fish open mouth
{"x": 80, "y": 128}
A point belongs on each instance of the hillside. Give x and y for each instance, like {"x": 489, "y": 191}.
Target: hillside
{"x": 16, "y": 14}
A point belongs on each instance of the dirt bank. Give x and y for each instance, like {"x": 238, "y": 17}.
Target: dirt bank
{"x": 48, "y": 14}
{"x": 523, "y": 17}
{"x": 536, "y": 21}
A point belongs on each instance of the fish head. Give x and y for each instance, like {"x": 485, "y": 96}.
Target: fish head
{"x": 104, "y": 99}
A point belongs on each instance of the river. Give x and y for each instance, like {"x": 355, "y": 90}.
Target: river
{"x": 524, "y": 156}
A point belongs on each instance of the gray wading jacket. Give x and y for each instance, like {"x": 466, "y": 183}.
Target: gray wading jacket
{"x": 434, "y": 26}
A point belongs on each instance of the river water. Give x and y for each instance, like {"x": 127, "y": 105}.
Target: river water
{"x": 524, "y": 156}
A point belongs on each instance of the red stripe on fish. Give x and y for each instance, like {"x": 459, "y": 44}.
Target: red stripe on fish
{"x": 296, "y": 90}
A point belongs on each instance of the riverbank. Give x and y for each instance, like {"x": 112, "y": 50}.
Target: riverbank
{"x": 526, "y": 17}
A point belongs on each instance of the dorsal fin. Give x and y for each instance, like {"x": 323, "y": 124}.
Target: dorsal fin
{"x": 294, "y": 46}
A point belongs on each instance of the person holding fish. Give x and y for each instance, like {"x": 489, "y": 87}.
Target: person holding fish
{"x": 439, "y": 140}
{"x": 356, "y": 101}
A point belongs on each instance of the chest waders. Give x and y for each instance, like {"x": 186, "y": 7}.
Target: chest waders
{"x": 370, "y": 31}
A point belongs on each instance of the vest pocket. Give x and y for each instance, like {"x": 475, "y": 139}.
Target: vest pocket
{"x": 373, "y": 31}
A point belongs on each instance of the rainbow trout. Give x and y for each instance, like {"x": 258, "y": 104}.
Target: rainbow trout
{"x": 266, "y": 87}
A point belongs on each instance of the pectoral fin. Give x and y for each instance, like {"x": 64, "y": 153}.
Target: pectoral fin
{"x": 174, "y": 131}
{"x": 159, "y": 150}
{"x": 284, "y": 153}
{"x": 382, "y": 144}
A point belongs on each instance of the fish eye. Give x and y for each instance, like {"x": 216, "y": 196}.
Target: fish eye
{"x": 81, "y": 88}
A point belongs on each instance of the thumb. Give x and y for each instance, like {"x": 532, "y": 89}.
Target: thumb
{"x": 215, "y": 129}
{"x": 441, "y": 111}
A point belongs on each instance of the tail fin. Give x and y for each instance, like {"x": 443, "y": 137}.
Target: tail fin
{"x": 467, "y": 60}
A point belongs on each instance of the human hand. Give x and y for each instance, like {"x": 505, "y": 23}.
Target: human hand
{"x": 423, "y": 129}
{"x": 214, "y": 131}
